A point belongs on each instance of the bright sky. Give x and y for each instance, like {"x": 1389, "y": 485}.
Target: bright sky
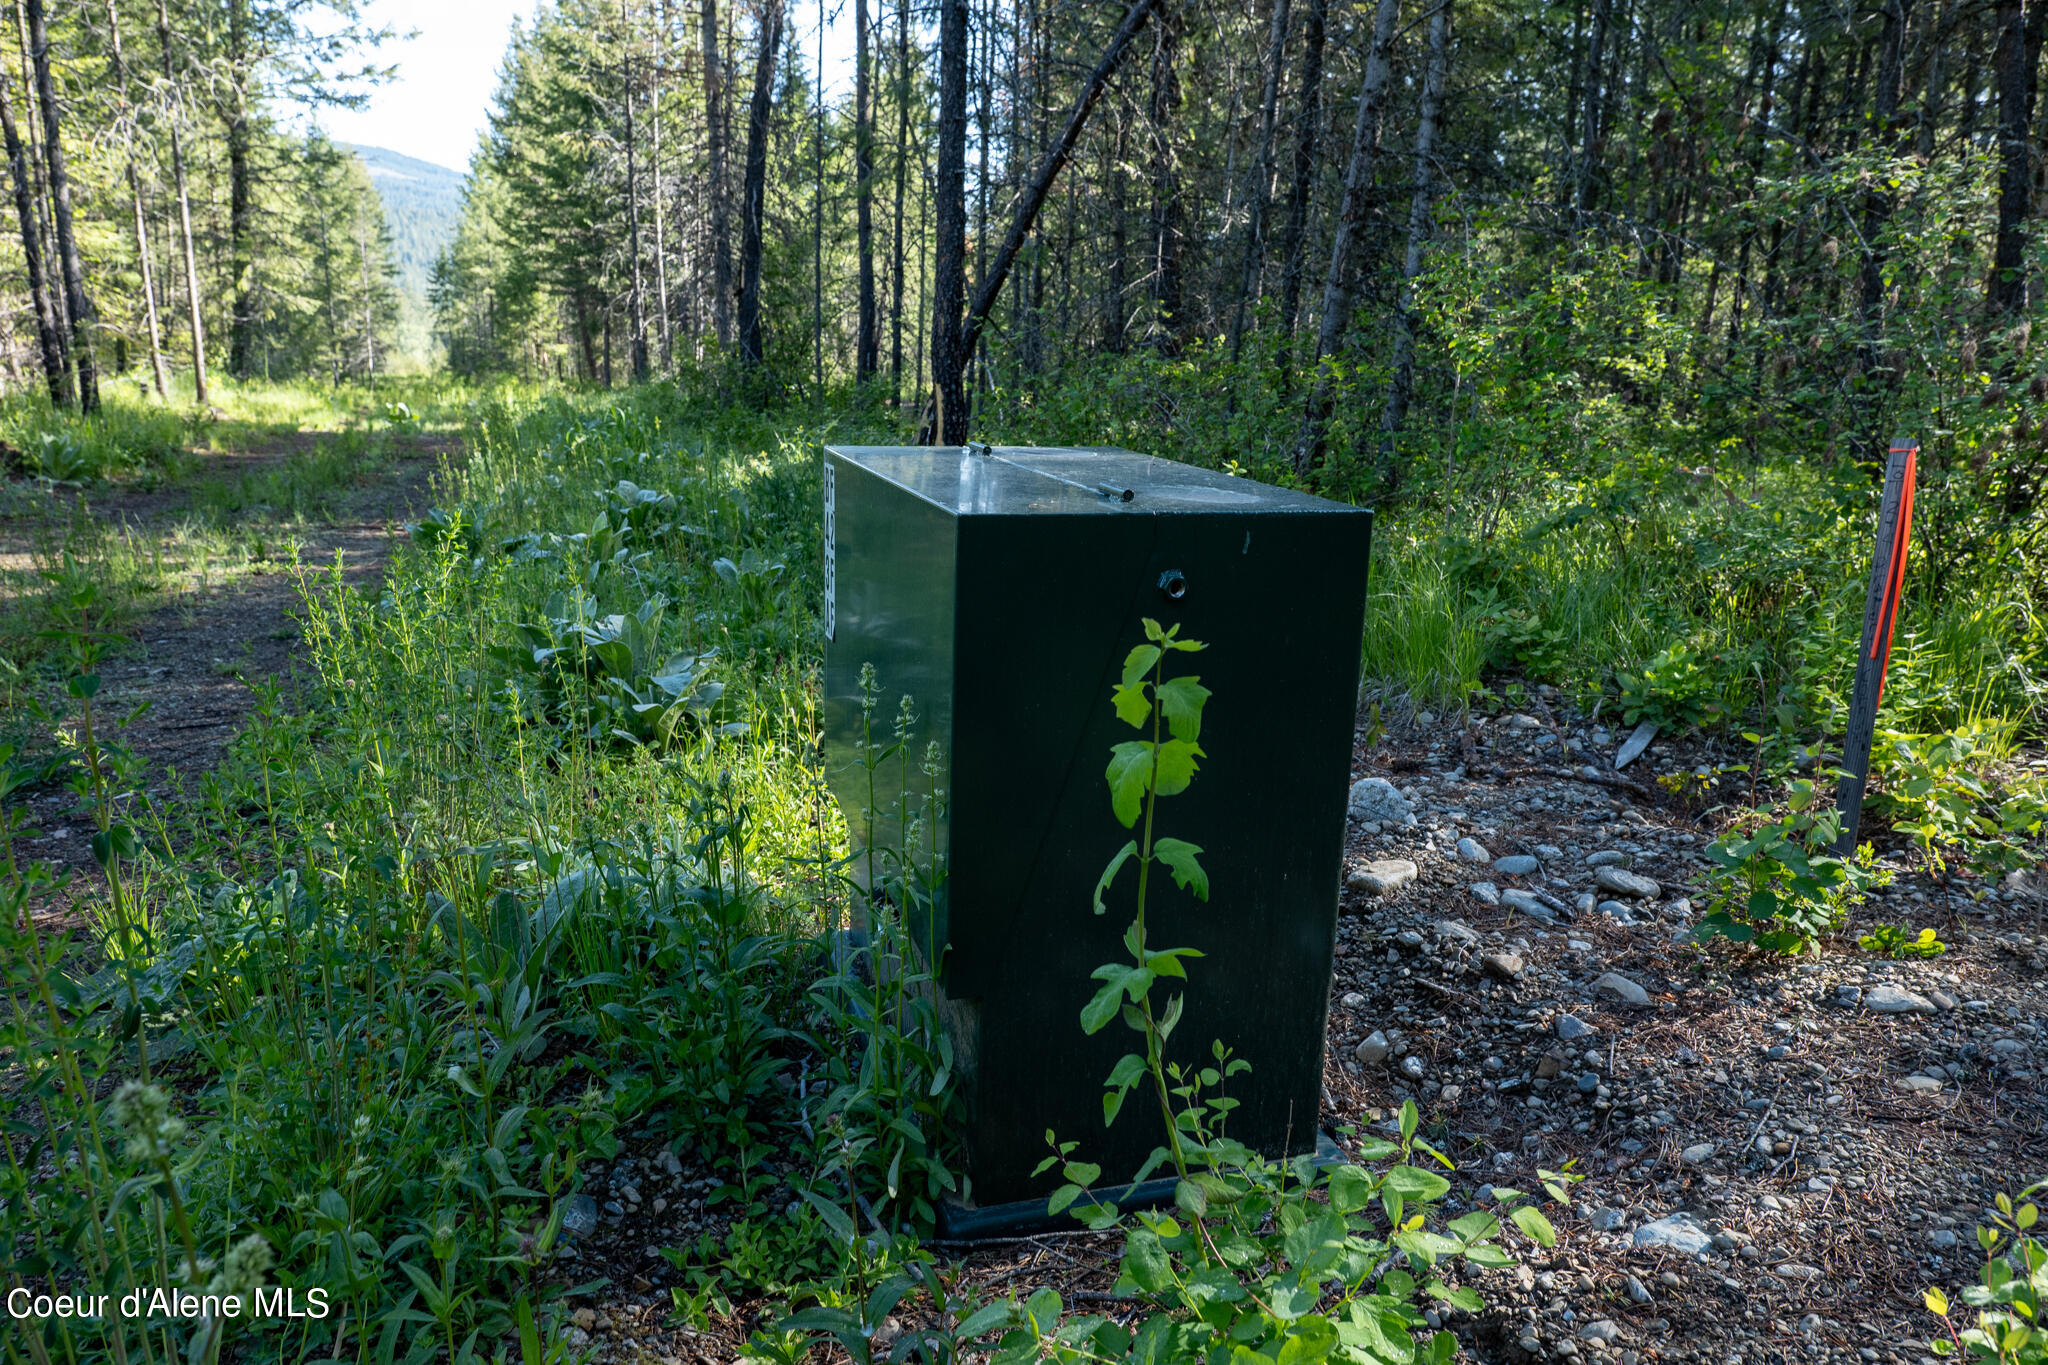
{"x": 440, "y": 102}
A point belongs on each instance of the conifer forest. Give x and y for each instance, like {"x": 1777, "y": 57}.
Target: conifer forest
{"x": 530, "y": 832}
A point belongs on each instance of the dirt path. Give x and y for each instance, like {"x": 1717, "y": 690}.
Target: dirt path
{"x": 198, "y": 659}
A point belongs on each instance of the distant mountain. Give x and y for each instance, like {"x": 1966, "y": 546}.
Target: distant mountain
{"x": 422, "y": 207}
{"x": 422, "y": 204}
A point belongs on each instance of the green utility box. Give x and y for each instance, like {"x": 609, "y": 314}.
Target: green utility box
{"x": 1000, "y": 589}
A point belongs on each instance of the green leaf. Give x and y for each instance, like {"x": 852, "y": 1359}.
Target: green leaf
{"x": 983, "y": 1320}
{"x": 1176, "y": 766}
{"x": 1102, "y": 883}
{"x": 1101, "y": 1007}
{"x": 836, "y": 1219}
{"x": 1138, "y": 663}
{"x": 1411, "y": 1182}
{"x": 1133, "y": 707}
{"x": 1129, "y": 773}
{"x": 1146, "y": 1263}
{"x": 1179, "y": 857}
{"x": 1535, "y": 1225}
{"x": 1351, "y": 1188}
{"x": 1181, "y": 699}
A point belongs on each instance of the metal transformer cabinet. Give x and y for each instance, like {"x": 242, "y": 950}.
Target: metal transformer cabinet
{"x": 1000, "y": 590}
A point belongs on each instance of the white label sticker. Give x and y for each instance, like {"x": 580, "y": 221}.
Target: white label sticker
{"x": 831, "y": 553}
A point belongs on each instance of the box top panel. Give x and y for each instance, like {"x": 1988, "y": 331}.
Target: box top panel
{"x": 1070, "y": 481}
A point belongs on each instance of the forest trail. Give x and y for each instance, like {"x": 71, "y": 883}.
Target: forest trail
{"x": 201, "y": 653}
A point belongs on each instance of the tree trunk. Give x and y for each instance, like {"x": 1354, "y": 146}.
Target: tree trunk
{"x": 144, "y": 265}
{"x": 1340, "y": 289}
{"x": 636, "y": 298}
{"x": 1879, "y": 376}
{"x": 192, "y": 295}
{"x": 77, "y": 303}
{"x": 1402, "y": 384}
{"x": 902, "y": 166}
{"x": 2017, "y": 55}
{"x": 1262, "y": 189}
{"x": 818, "y": 219}
{"x": 1166, "y": 206}
{"x": 1033, "y": 197}
{"x": 662, "y": 309}
{"x": 49, "y": 331}
{"x": 752, "y": 190}
{"x": 946, "y": 424}
{"x": 867, "y": 343}
{"x": 241, "y": 199}
{"x": 1307, "y": 141}
{"x": 1590, "y": 118}
{"x": 714, "y": 140}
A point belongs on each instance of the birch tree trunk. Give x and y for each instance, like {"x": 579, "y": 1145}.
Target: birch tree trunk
{"x": 867, "y": 346}
{"x": 144, "y": 263}
{"x": 1402, "y": 383}
{"x": 714, "y": 140}
{"x": 1307, "y": 142}
{"x": 946, "y": 424}
{"x": 1341, "y": 288}
{"x": 192, "y": 295}
{"x": 1262, "y": 189}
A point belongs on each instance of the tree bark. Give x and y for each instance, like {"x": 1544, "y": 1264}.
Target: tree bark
{"x": 714, "y": 139}
{"x": 946, "y": 424}
{"x": 1033, "y": 197}
{"x": 636, "y": 298}
{"x": 1402, "y": 383}
{"x": 77, "y": 303}
{"x": 241, "y": 199}
{"x": 902, "y": 167}
{"x": 1307, "y": 144}
{"x": 1590, "y": 118}
{"x": 867, "y": 343}
{"x": 49, "y": 331}
{"x": 1166, "y": 205}
{"x": 663, "y": 311}
{"x": 144, "y": 264}
{"x": 192, "y": 295}
{"x": 752, "y": 191}
{"x": 1340, "y": 289}
{"x": 1879, "y": 376}
{"x": 2017, "y": 55}
{"x": 1262, "y": 190}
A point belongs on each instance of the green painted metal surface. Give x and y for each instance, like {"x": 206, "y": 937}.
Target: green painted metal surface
{"x": 1000, "y": 589}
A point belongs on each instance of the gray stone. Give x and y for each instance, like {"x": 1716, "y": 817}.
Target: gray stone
{"x": 1618, "y": 911}
{"x": 1472, "y": 851}
{"x": 1530, "y": 904}
{"x": 1620, "y": 987}
{"x": 1638, "y": 1292}
{"x": 1375, "y": 798}
{"x": 1589, "y": 1082}
{"x": 1889, "y": 999}
{"x": 1678, "y": 1232}
{"x": 1941, "y": 1000}
{"x": 1919, "y": 1083}
{"x": 1608, "y": 857}
{"x": 1603, "y": 1330}
{"x": 580, "y": 1218}
{"x": 1793, "y": 1270}
{"x": 1849, "y": 995}
{"x": 1486, "y": 893}
{"x": 1943, "y": 1238}
{"x": 1352, "y": 1000}
{"x": 1699, "y": 1154}
{"x": 1605, "y": 1219}
{"x": 1583, "y": 903}
{"x": 1374, "y": 1049}
{"x": 1383, "y": 876}
{"x": 1516, "y": 865}
{"x": 1632, "y": 748}
{"x": 1414, "y": 1068}
{"x": 1623, "y": 882}
{"x": 1550, "y": 851}
{"x": 1809, "y": 1324}
{"x": 1456, "y": 930}
{"x": 1503, "y": 965}
{"x": 1571, "y": 1027}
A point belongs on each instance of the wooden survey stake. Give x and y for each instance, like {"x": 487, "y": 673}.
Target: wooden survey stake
{"x": 1880, "y": 615}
